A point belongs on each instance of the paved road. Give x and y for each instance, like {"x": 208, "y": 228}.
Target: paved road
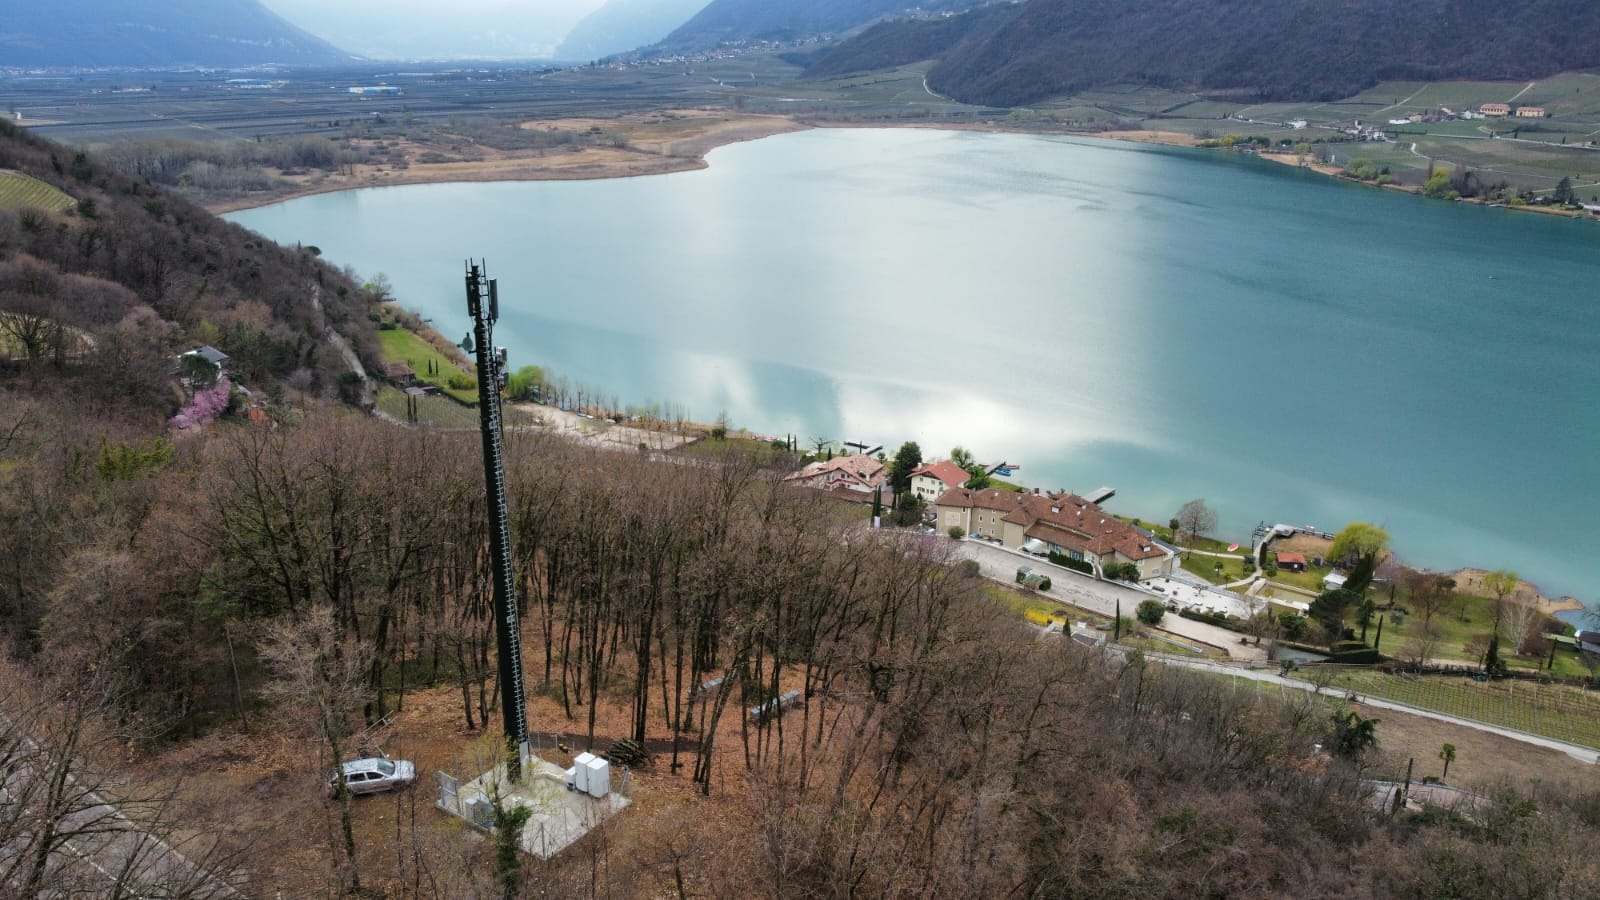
{"x": 1098, "y": 596}
{"x": 1101, "y": 597}
{"x": 1582, "y": 754}
{"x": 103, "y": 852}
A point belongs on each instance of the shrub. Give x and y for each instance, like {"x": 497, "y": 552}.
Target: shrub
{"x": 1293, "y": 625}
{"x": 1362, "y": 656}
{"x": 1150, "y": 612}
{"x": 462, "y": 382}
{"x": 1221, "y": 621}
{"x": 957, "y": 532}
{"x": 1076, "y": 565}
{"x": 1123, "y": 572}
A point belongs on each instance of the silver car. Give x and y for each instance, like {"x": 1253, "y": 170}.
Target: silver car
{"x": 368, "y": 776}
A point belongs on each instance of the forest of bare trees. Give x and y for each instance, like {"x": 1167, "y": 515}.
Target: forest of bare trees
{"x": 941, "y": 749}
{"x": 195, "y": 624}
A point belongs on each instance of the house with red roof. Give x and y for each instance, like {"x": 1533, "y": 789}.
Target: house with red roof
{"x": 930, "y": 481}
{"x": 857, "y": 472}
{"x": 1054, "y": 523}
{"x": 1294, "y": 562}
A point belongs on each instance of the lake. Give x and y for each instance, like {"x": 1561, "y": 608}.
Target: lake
{"x": 1172, "y": 323}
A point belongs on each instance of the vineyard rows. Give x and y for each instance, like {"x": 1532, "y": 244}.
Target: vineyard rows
{"x": 18, "y": 190}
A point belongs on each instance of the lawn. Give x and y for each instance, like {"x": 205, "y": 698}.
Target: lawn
{"x": 1556, "y": 711}
{"x": 1469, "y": 619}
{"x": 18, "y": 190}
{"x": 400, "y": 345}
{"x": 1233, "y": 568}
{"x": 763, "y": 451}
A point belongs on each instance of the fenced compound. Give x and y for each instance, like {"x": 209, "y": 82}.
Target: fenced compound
{"x": 560, "y": 815}
{"x": 1552, "y": 710}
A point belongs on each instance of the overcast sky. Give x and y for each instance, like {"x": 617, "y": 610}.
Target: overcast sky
{"x": 410, "y": 29}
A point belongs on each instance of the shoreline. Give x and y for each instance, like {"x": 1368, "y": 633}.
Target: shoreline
{"x": 690, "y": 154}
{"x": 661, "y": 156}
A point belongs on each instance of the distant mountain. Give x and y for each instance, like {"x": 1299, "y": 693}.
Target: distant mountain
{"x": 724, "y": 21}
{"x": 1278, "y": 49}
{"x": 622, "y": 25}
{"x": 153, "y": 33}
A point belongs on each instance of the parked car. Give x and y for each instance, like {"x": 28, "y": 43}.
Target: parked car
{"x": 368, "y": 776}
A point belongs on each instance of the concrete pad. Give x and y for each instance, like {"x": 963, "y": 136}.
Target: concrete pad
{"x": 560, "y": 816}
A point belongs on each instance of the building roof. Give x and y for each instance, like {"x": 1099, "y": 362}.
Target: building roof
{"x": 857, "y": 466}
{"x": 944, "y": 470}
{"x": 1291, "y": 558}
{"x": 211, "y": 353}
{"x": 983, "y": 498}
{"x": 1066, "y": 520}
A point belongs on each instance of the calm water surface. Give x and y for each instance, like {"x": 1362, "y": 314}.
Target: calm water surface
{"x": 1171, "y": 323}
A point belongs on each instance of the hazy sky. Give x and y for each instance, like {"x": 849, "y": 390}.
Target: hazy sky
{"x": 406, "y": 29}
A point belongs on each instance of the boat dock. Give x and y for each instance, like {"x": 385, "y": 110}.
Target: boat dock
{"x": 1101, "y": 495}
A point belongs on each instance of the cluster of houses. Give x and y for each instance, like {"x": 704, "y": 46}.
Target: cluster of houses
{"x": 1501, "y": 110}
{"x": 1375, "y": 132}
{"x": 1030, "y": 521}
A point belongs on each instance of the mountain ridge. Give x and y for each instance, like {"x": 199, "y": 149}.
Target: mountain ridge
{"x": 731, "y": 21}
{"x": 150, "y": 34}
{"x": 1274, "y": 49}
{"x": 623, "y": 25}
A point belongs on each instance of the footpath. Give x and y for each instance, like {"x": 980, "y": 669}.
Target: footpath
{"x": 1102, "y": 597}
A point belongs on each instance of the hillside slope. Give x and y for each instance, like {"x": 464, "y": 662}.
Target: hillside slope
{"x": 1278, "y": 49}
{"x": 154, "y": 33}
{"x": 99, "y": 296}
{"x": 729, "y": 21}
{"x": 623, "y": 25}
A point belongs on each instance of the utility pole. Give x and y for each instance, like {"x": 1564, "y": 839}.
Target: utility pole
{"x": 483, "y": 304}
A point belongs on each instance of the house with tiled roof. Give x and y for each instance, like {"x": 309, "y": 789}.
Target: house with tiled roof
{"x": 930, "y": 481}
{"x": 857, "y": 472}
{"x": 980, "y": 513}
{"x": 1058, "y": 522}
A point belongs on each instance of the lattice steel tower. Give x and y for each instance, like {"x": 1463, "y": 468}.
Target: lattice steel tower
{"x": 491, "y": 375}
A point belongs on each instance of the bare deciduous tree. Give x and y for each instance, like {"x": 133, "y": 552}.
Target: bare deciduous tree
{"x": 1195, "y": 519}
{"x": 323, "y": 677}
{"x": 61, "y": 832}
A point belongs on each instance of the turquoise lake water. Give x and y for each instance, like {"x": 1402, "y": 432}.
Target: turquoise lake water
{"x": 1172, "y": 323}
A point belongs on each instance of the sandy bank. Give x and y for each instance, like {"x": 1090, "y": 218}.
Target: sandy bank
{"x": 659, "y": 143}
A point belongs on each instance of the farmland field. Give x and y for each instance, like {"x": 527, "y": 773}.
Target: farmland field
{"x": 18, "y": 191}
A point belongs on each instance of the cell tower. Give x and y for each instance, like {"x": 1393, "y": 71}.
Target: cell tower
{"x": 483, "y": 304}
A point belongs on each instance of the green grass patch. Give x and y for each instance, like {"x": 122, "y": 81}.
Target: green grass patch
{"x": 763, "y": 451}
{"x": 1310, "y": 579}
{"x": 1206, "y": 567}
{"x": 1037, "y": 608}
{"x": 400, "y": 345}
{"x": 18, "y": 191}
{"x": 1553, "y": 710}
{"x": 1467, "y": 621}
